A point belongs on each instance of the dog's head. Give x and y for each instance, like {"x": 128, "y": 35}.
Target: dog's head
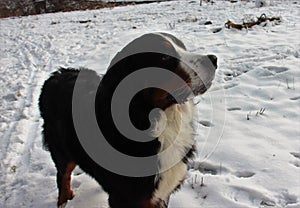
{"x": 176, "y": 73}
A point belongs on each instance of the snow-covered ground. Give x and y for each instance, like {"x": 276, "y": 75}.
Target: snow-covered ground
{"x": 251, "y": 114}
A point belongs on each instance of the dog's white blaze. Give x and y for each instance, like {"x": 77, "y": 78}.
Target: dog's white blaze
{"x": 178, "y": 135}
{"x": 175, "y": 127}
{"x": 201, "y": 65}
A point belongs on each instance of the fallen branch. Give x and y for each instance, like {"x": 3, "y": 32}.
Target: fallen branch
{"x": 246, "y": 25}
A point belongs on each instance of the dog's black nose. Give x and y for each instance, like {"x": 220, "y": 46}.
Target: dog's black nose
{"x": 213, "y": 60}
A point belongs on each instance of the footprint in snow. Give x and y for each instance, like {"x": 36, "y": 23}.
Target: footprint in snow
{"x": 295, "y": 154}
{"x": 206, "y": 123}
{"x": 295, "y": 98}
{"x": 207, "y": 168}
{"x": 10, "y": 97}
{"x": 249, "y": 197}
{"x": 277, "y": 69}
{"x": 296, "y": 162}
{"x": 234, "y": 109}
{"x": 244, "y": 174}
{"x": 230, "y": 85}
{"x": 288, "y": 199}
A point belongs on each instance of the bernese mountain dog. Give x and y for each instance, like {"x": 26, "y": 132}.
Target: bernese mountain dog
{"x": 171, "y": 125}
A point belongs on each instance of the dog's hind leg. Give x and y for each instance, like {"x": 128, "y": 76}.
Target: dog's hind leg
{"x": 64, "y": 184}
{"x": 65, "y": 192}
{"x": 63, "y": 179}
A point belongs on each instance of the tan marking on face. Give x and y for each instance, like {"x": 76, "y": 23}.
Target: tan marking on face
{"x": 168, "y": 44}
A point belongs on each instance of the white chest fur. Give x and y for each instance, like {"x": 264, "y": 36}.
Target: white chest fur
{"x": 176, "y": 137}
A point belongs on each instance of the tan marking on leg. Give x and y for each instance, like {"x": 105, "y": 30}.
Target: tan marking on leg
{"x": 66, "y": 192}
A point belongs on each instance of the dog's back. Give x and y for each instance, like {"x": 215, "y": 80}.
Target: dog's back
{"x": 55, "y": 105}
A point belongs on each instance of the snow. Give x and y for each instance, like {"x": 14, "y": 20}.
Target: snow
{"x": 260, "y": 3}
{"x": 249, "y": 124}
